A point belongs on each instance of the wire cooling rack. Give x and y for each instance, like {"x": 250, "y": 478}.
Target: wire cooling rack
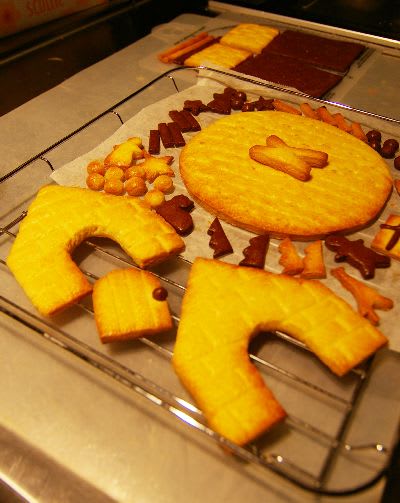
{"x": 327, "y": 432}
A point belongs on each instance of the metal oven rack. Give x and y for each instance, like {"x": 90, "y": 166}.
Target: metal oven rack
{"x": 323, "y": 456}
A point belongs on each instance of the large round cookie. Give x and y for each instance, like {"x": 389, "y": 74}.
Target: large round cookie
{"x": 219, "y": 174}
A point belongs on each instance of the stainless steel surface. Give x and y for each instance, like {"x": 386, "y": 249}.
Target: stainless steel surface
{"x": 25, "y": 469}
{"x": 72, "y": 414}
{"x": 377, "y": 17}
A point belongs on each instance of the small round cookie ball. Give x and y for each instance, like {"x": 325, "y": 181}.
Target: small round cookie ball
{"x": 96, "y": 167}
{"x": 114, "y": 186}
{"x": 164, "y": 183}
{"x": 95, "y": 181}
{"x": 154, "y": 198}
{"x": 114, "y": 172}
{"x": 135, "y": 186}
{"x": 136, "y": 170}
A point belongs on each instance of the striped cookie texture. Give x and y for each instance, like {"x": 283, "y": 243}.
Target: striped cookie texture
{"x": 59, "y": 219}
{"x": 224, "y": 307}
{"x": 250, "y": 37}
{"x": 126, "y": 306}
{"x": 345, "y": 195}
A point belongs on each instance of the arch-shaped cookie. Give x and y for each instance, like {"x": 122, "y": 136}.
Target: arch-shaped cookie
{"x": 224, "y": 307}
{"x": 59, "y": 219}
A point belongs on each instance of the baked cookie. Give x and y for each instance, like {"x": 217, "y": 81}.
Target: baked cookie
{"x": 387, "y": 240}
{"x": 218, "y": 54}
{"x": 249, "y": 36}
{"x": 224, "y": 307}
{"x": 220, "y": 175}
{"x": 289, "y": 72}
{"x": 129, "y": 303}
{"x": 336, "y": 55}
{"x": 59, "y": 219}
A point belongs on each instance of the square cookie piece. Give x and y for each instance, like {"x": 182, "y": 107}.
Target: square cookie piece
{"x": 250, "y": 37}
{"x": 129, "y": 303}
{"x": 290, "y": 73}
{"x": 387, "y": 240}
{"x": 336, "y": 55}
{"x": 218, "y": 54}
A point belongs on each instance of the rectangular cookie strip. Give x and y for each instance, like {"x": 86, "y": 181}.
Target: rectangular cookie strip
{"x": 154, "y": 142}
{"x": 171, "y": 133}
{"x": 166, "y": 135}
{"x": 179, "y": 59}
{"x": 168, "y": 55}
{"x": 179, "y": 140}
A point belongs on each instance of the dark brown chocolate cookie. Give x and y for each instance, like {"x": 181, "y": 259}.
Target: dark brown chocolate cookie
{"x": 255, "y": 253}
{"x": 176, "y": 211}
{"x": 289, "y": 72}
{"x": 336, "y": 55}
{"x": 357, "y": 254}
{"x": 219, "y": 242}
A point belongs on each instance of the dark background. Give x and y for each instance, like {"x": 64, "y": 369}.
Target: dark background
{"x": 28, "y": 68}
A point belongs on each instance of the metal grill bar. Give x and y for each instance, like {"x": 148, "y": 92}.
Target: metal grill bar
{"x": 174, "y": 405}
{"x": 177, "y": 405}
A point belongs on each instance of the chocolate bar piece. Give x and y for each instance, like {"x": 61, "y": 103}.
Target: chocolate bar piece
{"x": 166, "y": 135}
{"x": 179, "y": 140}
{"x": 154, "y": 142}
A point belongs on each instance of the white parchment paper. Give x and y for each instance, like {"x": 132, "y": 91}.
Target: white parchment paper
{"x": 197, "y": 243}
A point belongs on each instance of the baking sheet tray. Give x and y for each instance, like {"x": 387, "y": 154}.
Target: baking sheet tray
{"x": 370, "y": 83}
{"x": 348, "y": 435}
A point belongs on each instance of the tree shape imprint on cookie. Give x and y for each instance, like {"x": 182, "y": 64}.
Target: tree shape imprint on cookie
{"x": 218, "y": 241}
{"x": 255, "y": 253}
{"x": 290, "y": 260}
{"x": 224, "y": 307}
